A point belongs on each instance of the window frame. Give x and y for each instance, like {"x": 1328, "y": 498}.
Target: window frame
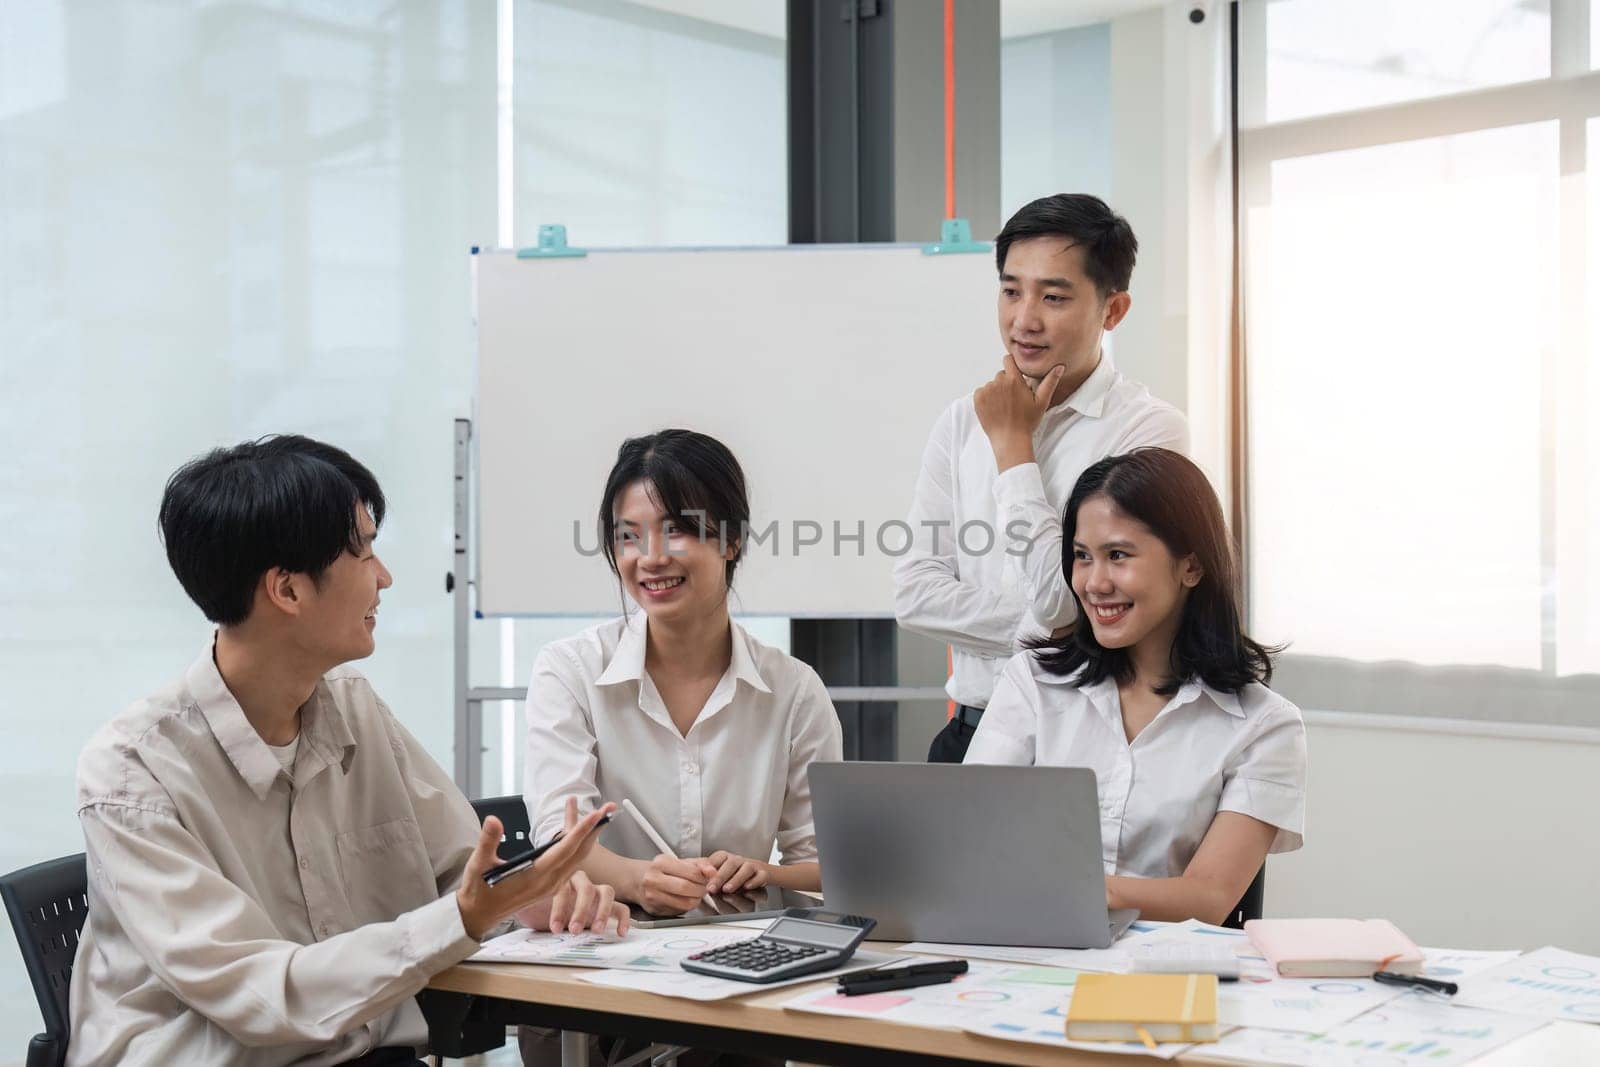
{"x": 1569, "y": 97}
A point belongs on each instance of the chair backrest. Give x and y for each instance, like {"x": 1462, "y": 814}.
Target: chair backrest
{"x": 48, "y": 904}
{"x": 512, "y": 813}
{"x": 1250, "y": 905}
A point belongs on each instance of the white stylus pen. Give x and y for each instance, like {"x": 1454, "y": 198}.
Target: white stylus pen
{"x": 656, "y": 840}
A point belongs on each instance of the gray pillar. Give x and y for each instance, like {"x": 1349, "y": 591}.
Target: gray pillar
{"x": 866, "y": 119}
{"x": 919, "y": 117}
{"x": 866, "y": 163}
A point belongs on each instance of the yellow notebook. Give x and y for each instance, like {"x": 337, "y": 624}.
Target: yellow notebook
{"x": 1143, "y": 1007}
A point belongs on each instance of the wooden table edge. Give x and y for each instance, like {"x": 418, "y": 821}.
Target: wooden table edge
{"x": 759, "y": 1013}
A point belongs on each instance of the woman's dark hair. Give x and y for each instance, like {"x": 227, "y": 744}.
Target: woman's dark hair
{"x": 1109, "y": 246}
{"x": 1170, "y": 496}
{"x": 235, "y": 513}
{"x": 693, "y": 478}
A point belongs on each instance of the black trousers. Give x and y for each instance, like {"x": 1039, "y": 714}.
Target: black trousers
{"x": 950, "y": 744}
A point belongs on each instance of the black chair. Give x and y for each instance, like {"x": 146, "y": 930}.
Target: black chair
{"x": 456, "y": 1027}
{"x": 513, "y": 816}
{"x": 1250, "y": 905}
{"x": 48, "y": 903}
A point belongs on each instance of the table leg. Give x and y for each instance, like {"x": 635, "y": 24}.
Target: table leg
{"x": 574, "y": 1048}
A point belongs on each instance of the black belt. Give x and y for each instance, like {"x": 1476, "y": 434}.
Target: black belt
{"x": 968, "y": 716}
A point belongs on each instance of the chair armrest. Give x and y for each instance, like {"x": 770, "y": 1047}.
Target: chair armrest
{"x": 45, "y": 1051}
{"x": 455, "y": 1028}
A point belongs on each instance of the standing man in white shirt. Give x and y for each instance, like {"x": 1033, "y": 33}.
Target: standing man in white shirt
{"x": 276, "y": 866}
{"x": 984, "y": 572}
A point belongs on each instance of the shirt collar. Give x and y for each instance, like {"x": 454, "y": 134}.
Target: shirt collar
{"x": 1195, "y": 688}
{"x": 322, "y": 726}
{"x": 743, "y": 668}
{"x": 627, "y": 662}
{"x": 1103, "y": 694}
{"x": 1090, "y": 397}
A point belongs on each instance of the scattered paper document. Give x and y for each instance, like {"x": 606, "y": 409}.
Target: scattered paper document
{"x": 969, "y": 997}
{"x": 1305, "y": 1005}
{"x": 688, "y": 986}
{"x": 1191, "y": 931}
{"x": 1006, "y": 1001}
{"x": 1081, "y": 959}
{"x": 1455, "y": 964}
{"x": 1412, "y": 1028}
{"x": 1039, "y": 1019}
{"x": 1550, "y": 982}
{"x": 640, "y": 950}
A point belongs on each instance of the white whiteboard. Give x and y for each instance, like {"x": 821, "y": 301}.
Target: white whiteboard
{"x": 823, "y": 368}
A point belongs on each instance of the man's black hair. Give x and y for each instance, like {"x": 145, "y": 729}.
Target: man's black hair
{"x": 1109, "y": 246}
{"x": 233, "y": 514}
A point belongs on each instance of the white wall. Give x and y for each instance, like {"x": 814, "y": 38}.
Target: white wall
{"x": 1055, "y": 115}
{"x": 1464, "y": 841}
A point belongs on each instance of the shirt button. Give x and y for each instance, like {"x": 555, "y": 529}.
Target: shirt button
{"x": 690, "y": 768}
{"x": 325, "y": 929}
{"x": 305, "y": 864}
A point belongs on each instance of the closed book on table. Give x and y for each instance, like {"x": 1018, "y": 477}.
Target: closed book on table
{"x": 1334, "y": 948}
{"x": 1166, "y": 1007}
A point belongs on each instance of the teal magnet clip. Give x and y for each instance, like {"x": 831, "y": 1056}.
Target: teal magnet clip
{"x": 552, "y": 245}
{"x": 955, "y": 236}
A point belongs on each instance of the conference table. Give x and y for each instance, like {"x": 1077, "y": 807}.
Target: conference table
{"x": 469, "y": 1007}
{"x": 482, "y": 999}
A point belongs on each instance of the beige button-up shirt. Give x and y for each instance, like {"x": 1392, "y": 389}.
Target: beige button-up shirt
{"x": 243, "y": 914}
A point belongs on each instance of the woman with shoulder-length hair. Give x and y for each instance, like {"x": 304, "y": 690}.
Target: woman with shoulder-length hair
{"x": 675, "y": 707}
{"x": 1157, "y": 688}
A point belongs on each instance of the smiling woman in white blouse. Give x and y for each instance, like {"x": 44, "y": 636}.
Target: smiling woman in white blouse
{"x": 1201, "y": 767}
{"x": 674, "y": 706}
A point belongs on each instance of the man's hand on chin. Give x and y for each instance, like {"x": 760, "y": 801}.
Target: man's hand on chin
{"x": 1010, "y": 407}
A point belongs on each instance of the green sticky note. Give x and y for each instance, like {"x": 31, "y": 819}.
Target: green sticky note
{"x": 1045, "y": 976}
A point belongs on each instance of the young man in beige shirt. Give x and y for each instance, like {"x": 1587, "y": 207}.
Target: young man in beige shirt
{"x": 276, "y": 866}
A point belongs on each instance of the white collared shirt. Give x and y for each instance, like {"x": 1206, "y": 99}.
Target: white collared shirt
{"x": 1206, "y": 752}
{"x": 599, "y": 730}
{"x": 989, "y": 574}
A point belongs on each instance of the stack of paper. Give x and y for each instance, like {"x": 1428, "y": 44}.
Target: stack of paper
{"x": 1549, "y": 983}
{"x": 689, "y": 986}
{"x": 1415, "y": 1028}
{"x": 640, "y": 950}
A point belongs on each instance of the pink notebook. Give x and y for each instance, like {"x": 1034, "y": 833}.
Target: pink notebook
{"x": 1334, "y": 948}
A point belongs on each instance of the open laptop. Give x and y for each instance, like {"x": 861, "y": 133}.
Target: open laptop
{"x": 965, "y": 854}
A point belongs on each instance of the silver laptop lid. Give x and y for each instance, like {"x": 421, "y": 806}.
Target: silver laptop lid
{"x": 970, "y": 854}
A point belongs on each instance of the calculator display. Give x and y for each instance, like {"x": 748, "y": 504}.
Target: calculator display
{"x": 814, "y": 933}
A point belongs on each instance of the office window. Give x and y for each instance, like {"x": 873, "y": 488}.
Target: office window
{"x": 216, "y": 222}
{"x": 1327, "y": 56}
{"x": 1391, "y": 295}
{"x": 640, "y": 125}
{"x": 1419, "y": 294}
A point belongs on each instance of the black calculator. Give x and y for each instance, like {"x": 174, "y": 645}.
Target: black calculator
{"x": 802, "y": 941}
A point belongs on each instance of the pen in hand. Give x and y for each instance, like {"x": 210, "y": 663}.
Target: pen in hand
{"x": 660, "y": 843}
